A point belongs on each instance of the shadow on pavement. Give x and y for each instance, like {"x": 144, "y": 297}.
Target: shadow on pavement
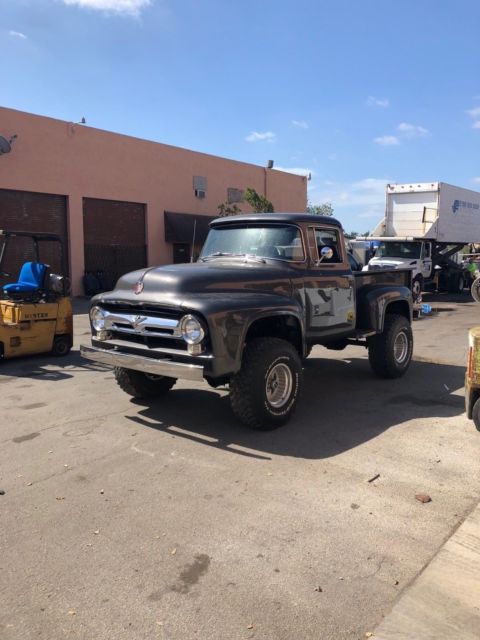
{"x": 343, "y": 405}
{"x": 453, "y": 298}
{"x": 47, "y": 367}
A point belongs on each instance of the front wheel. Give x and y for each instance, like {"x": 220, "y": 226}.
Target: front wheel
{"x": 142, "y": 385}
{"x": 61, "y": 346}
{"x": 264, "y": 393}
{"x": 390, "y": 352}
{"x": 475, "y": 290}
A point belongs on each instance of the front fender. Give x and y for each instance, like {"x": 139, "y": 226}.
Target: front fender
{"x": 229, "y": 319}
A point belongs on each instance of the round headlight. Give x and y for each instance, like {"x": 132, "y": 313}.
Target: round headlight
{"x": 97, "y": 318}
{"x": 192, "y": 330}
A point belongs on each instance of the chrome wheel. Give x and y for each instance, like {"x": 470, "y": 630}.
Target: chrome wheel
{"x": 279, "y": 385}
{"x": 400, "y": 347}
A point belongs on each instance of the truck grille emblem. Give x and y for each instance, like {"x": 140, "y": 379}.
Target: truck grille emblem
{"x": 137, "y": 321}
{"x": 138, "y": 287}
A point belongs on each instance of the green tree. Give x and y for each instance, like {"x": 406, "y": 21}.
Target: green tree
{"x": 324, "y": 209}
{"x": 226, "y": 209}
{"x": 259, "y": 203}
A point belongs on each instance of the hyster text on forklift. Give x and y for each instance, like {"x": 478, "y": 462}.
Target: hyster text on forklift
{"x": 425, "y": 227}
{"x": 35, "y": 311}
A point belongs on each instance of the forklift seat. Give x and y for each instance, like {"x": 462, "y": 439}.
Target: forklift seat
{"x": 31, "y": 279}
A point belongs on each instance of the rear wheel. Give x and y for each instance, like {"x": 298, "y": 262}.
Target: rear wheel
{"x": 417, "y": 288}
{"x": 142, "y": 385}
{"x": 476, "y": 414}
{"x": 390, "y": 352}
{"x": 264, "y": 393}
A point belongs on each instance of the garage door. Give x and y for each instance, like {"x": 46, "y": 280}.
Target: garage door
{"x": 28, "y": 211}
{"x": 114, "y": 236}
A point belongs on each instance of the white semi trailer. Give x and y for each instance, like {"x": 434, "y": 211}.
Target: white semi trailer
{"x": 425, "y": 227}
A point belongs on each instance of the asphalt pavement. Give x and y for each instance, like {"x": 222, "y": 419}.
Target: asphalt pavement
{"x": 170, "y": 520}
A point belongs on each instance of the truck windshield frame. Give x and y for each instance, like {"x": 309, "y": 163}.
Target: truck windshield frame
{"x": 396, "y": 249}
{"x": 270, "y": 241}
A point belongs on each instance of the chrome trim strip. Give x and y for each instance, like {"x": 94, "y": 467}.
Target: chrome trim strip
{"x": 162, "y": 367}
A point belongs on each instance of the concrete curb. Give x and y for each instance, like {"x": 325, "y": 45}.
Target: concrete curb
{"x": 444, "y": 601}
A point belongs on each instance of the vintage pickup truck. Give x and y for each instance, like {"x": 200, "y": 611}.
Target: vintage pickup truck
{"x": 265, "y": 290}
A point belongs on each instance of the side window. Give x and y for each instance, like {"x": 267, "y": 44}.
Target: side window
{"x": 426, "y": 250}
{"x": 328, "y": 238}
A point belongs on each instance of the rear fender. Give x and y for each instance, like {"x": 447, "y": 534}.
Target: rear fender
{"x": 373, "y": 306}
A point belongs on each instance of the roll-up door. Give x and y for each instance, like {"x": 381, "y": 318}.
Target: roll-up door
{"x": 114, "y": 237}
{"x": 29, "y": 211}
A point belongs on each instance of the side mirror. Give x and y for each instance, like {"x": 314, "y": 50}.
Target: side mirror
{"x": 325, "y": 254}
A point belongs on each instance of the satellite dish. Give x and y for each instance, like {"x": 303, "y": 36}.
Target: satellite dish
{"x": 5, "y": 146}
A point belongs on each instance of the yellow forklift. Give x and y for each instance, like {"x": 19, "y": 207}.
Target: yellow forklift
{"x": 36, "y": 310}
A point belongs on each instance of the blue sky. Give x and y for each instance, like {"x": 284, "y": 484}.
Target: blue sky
{"x": 359, "y": 93}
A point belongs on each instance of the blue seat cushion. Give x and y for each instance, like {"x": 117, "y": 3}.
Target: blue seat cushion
{"x": 30, "y": 279}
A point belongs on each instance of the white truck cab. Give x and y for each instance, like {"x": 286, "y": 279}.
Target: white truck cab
{"x": 404, "y": 253}
{"x": 425, "y": 227}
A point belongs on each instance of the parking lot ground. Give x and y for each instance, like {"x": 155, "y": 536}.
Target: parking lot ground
{"x": 170, "y": 520}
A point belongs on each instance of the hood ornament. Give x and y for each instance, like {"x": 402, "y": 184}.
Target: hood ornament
{"x": 138, "y": 287}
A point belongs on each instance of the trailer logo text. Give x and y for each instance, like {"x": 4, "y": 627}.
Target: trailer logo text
{"x": 465, "y": 205}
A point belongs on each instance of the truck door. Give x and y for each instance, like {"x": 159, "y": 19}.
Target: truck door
{"x": 426, "y": 260}
{"x": 329, "y": 285}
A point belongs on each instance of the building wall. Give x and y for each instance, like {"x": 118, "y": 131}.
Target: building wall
{"x": 53, "y": 156}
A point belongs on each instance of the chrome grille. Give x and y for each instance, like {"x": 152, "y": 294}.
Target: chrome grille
{"x": 144, "y": 325}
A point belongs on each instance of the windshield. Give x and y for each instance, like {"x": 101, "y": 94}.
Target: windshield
{"x": 282, "y": 242}
{"x": 408, "y": 250}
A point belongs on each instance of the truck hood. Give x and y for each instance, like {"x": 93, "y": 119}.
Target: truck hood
{"x": 171, "y": 284}
{"x": 392, "y": 263}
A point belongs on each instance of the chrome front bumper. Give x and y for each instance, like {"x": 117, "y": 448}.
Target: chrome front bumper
{"x": 162, "y": 367}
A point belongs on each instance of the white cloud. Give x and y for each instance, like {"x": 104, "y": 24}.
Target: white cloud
{"x": 17, "y": 34}
{"x": 476, "y": 180}
{"x": 255, "y": 136}
{"x": 298, "y": 171}
{"x": 125, "y": 7}
{"x": 387, "y": 141}
{"x": 475, "y": 113}
{"x": 377, "y": 102}
{"x": 412, "y": 130}
{"x": 301, "y": 124}
{"x": 362, "y": 199}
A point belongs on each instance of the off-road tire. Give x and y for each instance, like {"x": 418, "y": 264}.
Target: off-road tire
{"x": 61, "y": 346}
{"x": 390, "y": 352}
{"x": 142, "y": 385}
{"x": 417, "y": 288}
{"x": 476, "y": 413}
{"x": 248, "y": 388}
{"x": 475, "y": 289}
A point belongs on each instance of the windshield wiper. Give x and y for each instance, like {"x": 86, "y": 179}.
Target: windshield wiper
{"x": 252, "y": 256}
{"x": 220, "y": 254}
{"x": 217, "y": 254}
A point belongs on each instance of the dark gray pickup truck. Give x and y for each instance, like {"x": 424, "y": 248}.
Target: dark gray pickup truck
{"x": 265, "y": 290}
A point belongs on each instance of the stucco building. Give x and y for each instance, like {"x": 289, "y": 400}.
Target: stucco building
{"x": 120, "y": 202}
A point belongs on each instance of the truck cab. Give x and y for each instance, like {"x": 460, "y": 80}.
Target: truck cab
{"x": 403, "y": 253}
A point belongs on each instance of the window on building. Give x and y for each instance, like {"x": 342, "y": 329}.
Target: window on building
{"x": 200, "y": 186}
{"x": 234, "y": 195}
